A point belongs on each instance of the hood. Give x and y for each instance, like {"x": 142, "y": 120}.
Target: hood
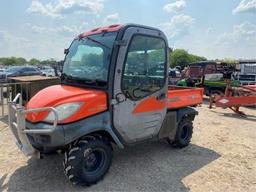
{"x": 6, "y": 73}
{"x": 3, "y": 73}
{"x": 92, "y": 102}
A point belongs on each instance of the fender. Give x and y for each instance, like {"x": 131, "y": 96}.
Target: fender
{"x": 172, "y": 120}
{"x": 186, "y": 112}
{"x": 67, "y": 133}
{"x": 96, "y": 123}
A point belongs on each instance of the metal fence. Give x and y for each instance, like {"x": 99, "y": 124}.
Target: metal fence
{"x": 8, "y": 91}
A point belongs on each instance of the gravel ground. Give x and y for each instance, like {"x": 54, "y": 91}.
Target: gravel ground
{"x": 221, "y": 157}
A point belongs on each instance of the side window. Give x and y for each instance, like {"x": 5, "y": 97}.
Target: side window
{"x": 28, "y": 69}
{"x": 210, "y": 69}
{"x": 144, "y": 70}
{"x": 23, "y": 70}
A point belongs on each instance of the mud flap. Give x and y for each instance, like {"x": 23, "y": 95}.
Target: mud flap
{"x": 169, "y": 126}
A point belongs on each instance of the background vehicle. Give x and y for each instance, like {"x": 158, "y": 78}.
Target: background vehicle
{"x": 113, "y": 91}
{"x": 19, "y": 71}
{"x": 247, "y": 74}
{"x": 47, "y": 71}
{"x": 210, "y": 75}
{"x": 2, "y": 70}
{"x": 174, "y": 76}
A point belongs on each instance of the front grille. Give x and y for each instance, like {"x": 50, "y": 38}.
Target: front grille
{"x": 2, "y": 77}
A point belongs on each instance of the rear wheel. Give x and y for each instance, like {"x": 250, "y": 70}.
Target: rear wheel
{"x": 88, "y": 161}
{"x": 183, "y": 134}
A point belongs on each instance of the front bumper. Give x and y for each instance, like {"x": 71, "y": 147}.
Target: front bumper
{"x": 19, "y": 128}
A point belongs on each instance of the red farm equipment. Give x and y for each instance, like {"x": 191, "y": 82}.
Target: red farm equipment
{"x": 235, "y": 97}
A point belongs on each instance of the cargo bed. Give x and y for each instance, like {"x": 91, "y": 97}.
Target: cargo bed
{"x": 179, "y": 97}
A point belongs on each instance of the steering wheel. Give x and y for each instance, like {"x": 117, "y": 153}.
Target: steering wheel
{"x": 139, "y": 89}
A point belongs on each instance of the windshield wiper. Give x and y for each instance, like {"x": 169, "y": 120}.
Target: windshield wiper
{"x": 77, "y": 79}
{"x": 83, "y": 80}
{"x": 69, "y": 77}
{"x": 94, "y": 81}
{"x": 100, "y": 43}
{"x": 100, "y": 81}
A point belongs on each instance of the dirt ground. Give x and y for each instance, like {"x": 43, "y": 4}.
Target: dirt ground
{"x": 221, "y": 157}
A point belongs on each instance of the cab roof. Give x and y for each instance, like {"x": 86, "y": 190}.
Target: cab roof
{"x": 202, "y": 63}
{"x": 105, "y": 29}
{"x": 113, "y": 28}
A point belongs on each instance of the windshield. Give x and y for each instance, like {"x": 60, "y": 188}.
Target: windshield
{"x": 13, "y": 69}
{"x": 88, "y": 58}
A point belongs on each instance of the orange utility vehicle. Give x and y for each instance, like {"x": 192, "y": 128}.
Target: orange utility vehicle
{"x": 114, "y": 90}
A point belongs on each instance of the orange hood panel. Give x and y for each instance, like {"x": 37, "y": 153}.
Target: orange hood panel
{"x": 93, "y": 101}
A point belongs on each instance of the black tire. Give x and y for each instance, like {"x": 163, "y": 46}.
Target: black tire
{"x": 87, "y": 161}
{"x": 183, "y": 134}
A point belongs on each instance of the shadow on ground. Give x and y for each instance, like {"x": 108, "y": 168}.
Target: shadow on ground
{"x": 233, "y": 115}
{"x": 4, "y": 119}
{"x": 145, "y": 167}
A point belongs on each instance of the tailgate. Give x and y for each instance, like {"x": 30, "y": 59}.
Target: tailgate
{"x": 179, "y": 97}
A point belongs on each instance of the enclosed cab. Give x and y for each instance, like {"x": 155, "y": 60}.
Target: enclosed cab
{"x": 114, "y": 90}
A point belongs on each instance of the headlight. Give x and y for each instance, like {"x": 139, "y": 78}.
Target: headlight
{"x": 64, "y": 111}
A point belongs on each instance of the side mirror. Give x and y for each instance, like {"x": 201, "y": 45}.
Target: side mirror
{"x": 66, "y": 51}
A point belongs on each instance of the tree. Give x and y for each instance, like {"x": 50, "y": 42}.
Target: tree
{"x": 34, "y": 61}
{"x": 180, "y": 57}
{"x": 195, "y": 58}
{"x": 20, "y": 60}
{"x": 12, "y": 61}
{"x": 229, "y": 61}
{"x": 50, "y": 62}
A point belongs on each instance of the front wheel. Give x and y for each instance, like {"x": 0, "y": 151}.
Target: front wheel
{"x": 183, "y": 134}
{"x": 88, "y": 161}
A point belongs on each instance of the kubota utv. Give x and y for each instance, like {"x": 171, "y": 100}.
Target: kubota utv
{"x": 114, "y": 90}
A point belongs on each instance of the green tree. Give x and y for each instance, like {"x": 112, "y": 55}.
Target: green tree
{"x": 34, "y": 61}
{"x": 195, "y": 58}
{"x": 51, "y": 62}
{"x": 12, "y": 61}
{"x": 229, "y": 61}
{"x": 20, "y": 61}
{"x": 180, "y": 57}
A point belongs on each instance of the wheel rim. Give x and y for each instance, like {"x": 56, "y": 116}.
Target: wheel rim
{"x": 185, "y": 133}
{"x": 94, "y": 161}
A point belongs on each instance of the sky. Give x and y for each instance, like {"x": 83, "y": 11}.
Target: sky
{"x": 215, "y": 29}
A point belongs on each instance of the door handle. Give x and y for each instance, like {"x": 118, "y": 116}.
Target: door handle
{"x": 161, "y": 96}
{"x": 120, "y": 97}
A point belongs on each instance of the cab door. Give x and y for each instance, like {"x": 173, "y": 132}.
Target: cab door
{"x": 140, "y": 87}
